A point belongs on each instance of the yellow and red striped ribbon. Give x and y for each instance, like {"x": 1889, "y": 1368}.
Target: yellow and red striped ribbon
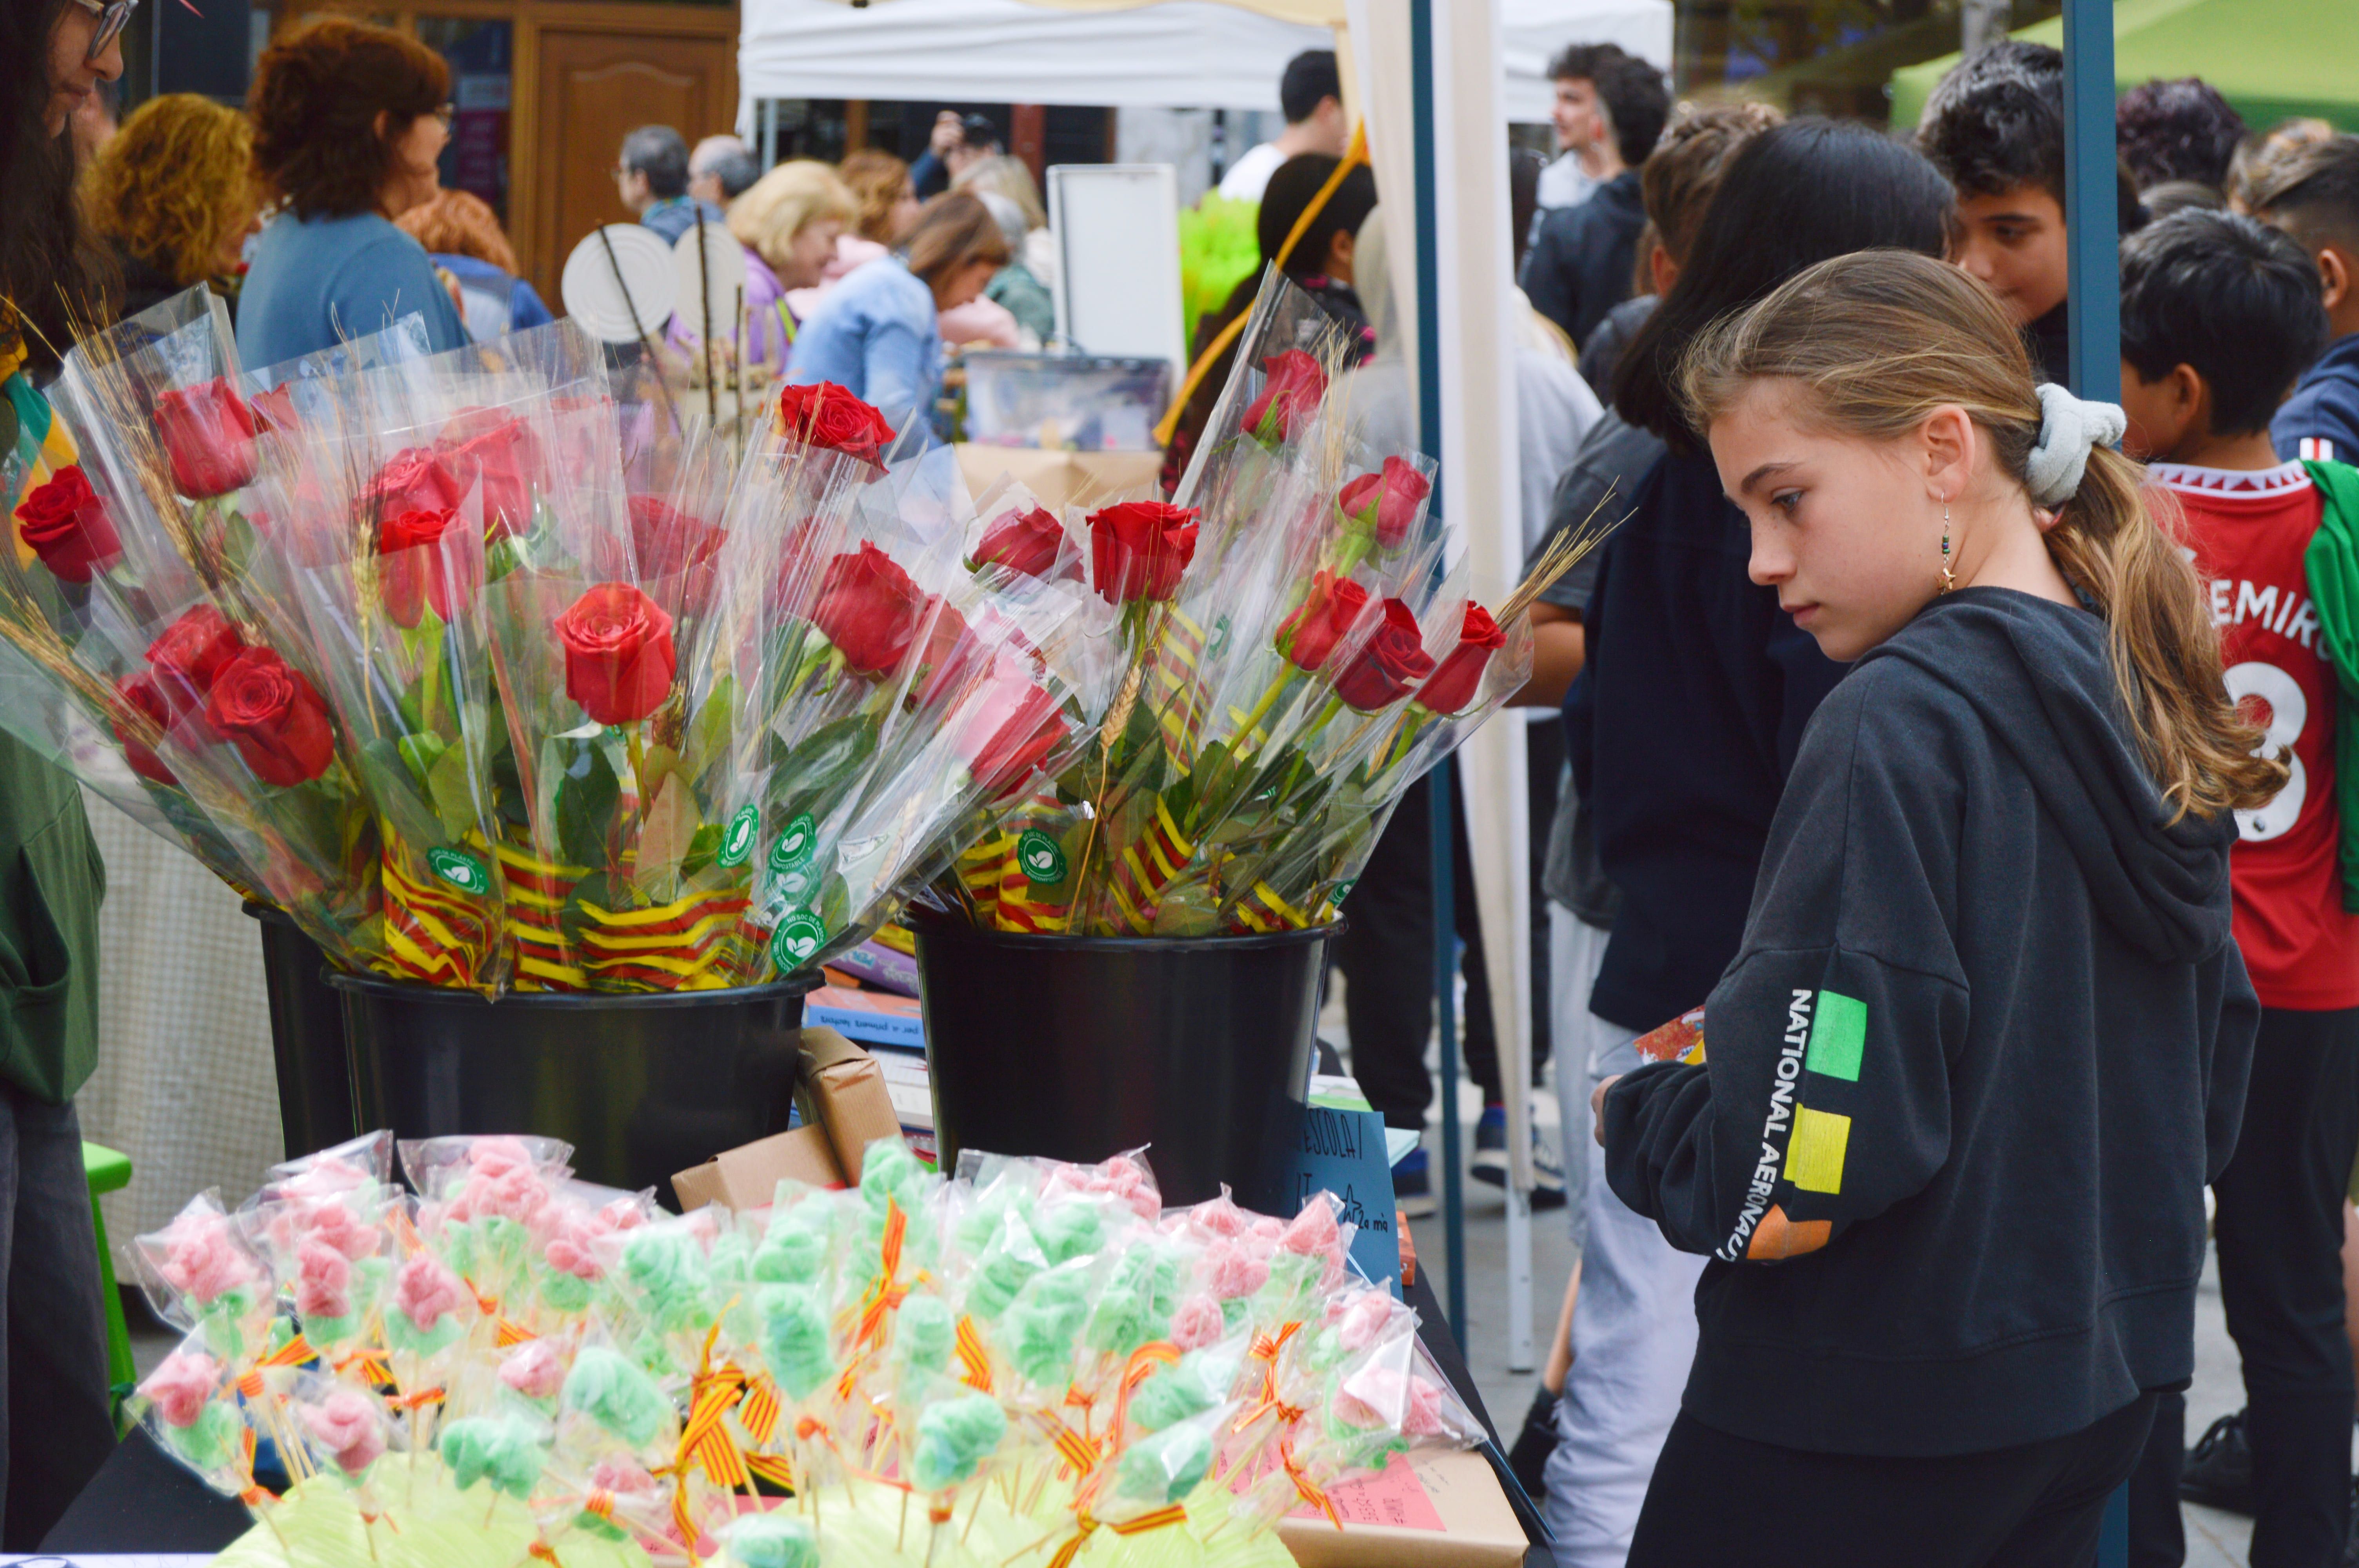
{"x": 759, "y": 1413}
{"x": 972, "y": 1358}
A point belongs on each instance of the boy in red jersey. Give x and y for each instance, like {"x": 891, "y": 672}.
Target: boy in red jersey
{"x": 2219, "y": 316}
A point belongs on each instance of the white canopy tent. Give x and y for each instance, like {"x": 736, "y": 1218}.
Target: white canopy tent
{"x": 1488, "y": 65}
{"x": 1204, "y": 54}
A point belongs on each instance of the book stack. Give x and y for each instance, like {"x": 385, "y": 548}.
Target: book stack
{"x": 871, "y": 996}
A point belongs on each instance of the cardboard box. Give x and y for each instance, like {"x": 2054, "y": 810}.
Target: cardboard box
{"x": 1432, "y": 1508}
{"x": 748, "y": 1177}
{"x": 1082, "y": 479}
{"x": 848, "y": 1096}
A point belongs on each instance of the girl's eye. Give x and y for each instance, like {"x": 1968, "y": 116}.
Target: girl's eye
{"x": 1785, "y": 501}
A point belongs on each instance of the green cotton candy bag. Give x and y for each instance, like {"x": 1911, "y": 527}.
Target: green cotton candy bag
{"x": 795, "y": 1338}
{"x": 1194, "y": 1384}
{"x": 1165, "y": 1467}
{"x": 794, "y": 1250}
{"x": 504, "y": 1450}
{"x": 954, "y": 1437}
{"x": 923, "y": 1331}
{"x": 773, "y": 1540}
{"x": 1045, "y": 1321}
{"x": 607, "y": 1387}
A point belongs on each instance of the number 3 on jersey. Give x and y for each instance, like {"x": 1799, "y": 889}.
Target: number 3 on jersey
{"x": 2288, "y": 711}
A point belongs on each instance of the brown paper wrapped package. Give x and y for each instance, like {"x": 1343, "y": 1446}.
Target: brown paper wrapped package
{"x": 1478, "y": 1526}
{"x": 748, "y": 1177}
{"x": 848, "y": 1095}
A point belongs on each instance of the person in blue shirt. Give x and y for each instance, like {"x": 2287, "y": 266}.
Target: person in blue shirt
{"x": 876, "y": 333}
{"x": 651, "y": 176}
{"x": 348, "y": 122}
{"x": 461, "y": 234}
{"x": 2315, "y": 198}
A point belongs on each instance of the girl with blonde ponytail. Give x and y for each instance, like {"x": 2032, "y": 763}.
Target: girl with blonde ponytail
{"x": 1985, "y": 1039}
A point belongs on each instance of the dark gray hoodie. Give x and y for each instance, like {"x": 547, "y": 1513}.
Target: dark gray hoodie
{"x": 1982, "y": 1045}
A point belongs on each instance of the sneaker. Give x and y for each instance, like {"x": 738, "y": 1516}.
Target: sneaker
{"x": 1490, "y": 1162}
{"x": 2219, "y": 1469}
{"x": 1412, "y": 1188}
{"x": 1528, "y": 1458}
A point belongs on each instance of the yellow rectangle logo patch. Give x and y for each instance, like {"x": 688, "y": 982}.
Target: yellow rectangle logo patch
{"x": 1814, "y": 1158}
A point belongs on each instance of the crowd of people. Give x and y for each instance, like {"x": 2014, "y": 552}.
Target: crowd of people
{"x": 1974, "y": 755}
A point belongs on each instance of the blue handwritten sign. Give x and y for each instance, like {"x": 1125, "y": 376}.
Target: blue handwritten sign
{"x": 1343, "y": 1151}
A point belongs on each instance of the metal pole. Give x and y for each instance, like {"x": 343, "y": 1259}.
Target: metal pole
{"x": 1429, "y": 412}
{"x": 2093, "y": 274}
{"x": 2092, "y": 218}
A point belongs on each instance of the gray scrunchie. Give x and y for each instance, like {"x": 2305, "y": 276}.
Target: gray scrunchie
{"x": 2068, "y": 429}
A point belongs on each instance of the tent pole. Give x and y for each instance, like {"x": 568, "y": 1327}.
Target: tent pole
{"x": 1428, "y": 410}
{"x": 2093, "y": 272}
{"x": 2091, "y": 217}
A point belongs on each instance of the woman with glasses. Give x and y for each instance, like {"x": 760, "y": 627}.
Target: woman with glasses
{"x": 54, "y": 1428}
{"x": 348, "y": 122}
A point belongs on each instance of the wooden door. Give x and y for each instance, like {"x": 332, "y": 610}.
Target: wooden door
{"x": 595, "y": 87}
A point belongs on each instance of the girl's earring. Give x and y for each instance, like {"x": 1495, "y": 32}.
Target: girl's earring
{"x": 1949, "y": 578}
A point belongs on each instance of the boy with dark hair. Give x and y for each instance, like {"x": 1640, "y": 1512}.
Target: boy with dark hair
{"x": 2181, "y": 130}
{"x": 1580, "y": 261}
{"x": 2313, "y": 197}
{"x": 2219, "y": 316}
{"x": 1996, "y": 127}
{"x": 1310, "y": 93}
{"x": 1587, "y": 156}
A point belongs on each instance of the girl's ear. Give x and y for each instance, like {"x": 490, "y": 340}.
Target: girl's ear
{"x": 1951, "y": 445}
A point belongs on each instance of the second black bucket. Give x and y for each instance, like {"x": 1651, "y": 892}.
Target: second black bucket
{"x": 643, "y": 1086}
{"x": 307, "y": 1037}
{"x": 1079, "y": 1047}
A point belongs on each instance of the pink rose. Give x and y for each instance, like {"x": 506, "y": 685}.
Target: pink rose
{"x": 508, "y": 1190}
{"x": 334, "y": 1224}
{"x": 1382, "y": 1397}
{"x": 347, "y": 1426}
{"x": 324, "y": 1281}
{"x": 534, "y": 1369}
{"x": 1221, "y": 1216}
{"x": 1314, "y": 1232}
{"x": 1197, "y": 1322}
{"x": 202, "y": 1259}
{"x": 573, "y": 1249}
{"x": 427, "y": 1292}
{"x": 181, "y": 1385}
{"x": 1232, "y": 1271}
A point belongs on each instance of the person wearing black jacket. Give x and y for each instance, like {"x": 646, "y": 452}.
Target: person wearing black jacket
{"x": 1681, "y": 729}
{"x": 1987, "y": 1035}
{"x": 1581, "y": 260}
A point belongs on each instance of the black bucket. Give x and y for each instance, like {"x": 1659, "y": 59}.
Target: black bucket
{"x": 307, "y": 1037}
{"x": 643, "y": 1085}
{"x": 1079, "y": 1047}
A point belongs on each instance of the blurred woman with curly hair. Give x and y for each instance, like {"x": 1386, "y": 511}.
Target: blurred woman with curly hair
{"x": 348, "y": 122}
{"x": 173, "y": 194}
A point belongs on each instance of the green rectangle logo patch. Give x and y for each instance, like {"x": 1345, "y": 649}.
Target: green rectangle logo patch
{"x": 1838, "y": 1034}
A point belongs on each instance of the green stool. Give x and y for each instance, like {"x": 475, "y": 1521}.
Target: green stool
{"x": 109, "y": 1172}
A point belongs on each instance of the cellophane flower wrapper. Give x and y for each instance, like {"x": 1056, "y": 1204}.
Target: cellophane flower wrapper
{"x": 392, "y": 595}
{"x": 826, "y": 620}
{"x": 202, "y": 1273}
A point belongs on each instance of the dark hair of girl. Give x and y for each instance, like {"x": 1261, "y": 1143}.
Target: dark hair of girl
{"x": 46, "y": 273}
{"x": 1794, "y": 195}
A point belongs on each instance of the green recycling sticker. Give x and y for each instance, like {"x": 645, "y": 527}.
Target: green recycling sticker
{"x": 1042, "y": 858}
{"x": 738, "y": 842}
{"x": 798, "y": 937}
{"x": 462, "y": 871}
{"x": 795, "y": 846}
{"x": 1342, "y": 890}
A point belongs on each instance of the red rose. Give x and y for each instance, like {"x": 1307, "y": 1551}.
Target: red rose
{"x": 1387, "y": 502}
{"x": 209, "y": 436}
{"x": 275, "y": 717}
{"x": 192, "y": 653}
{"x": 828, "y": 415}
{"x": 618, "y": 654}
{"x": 1394, "y": 661}
{"x": 141, "y": 692}
{"x": 1011, "y": 729}
{"x": 869, "y": 608}
{"x": 667, "y": 541}
{"x": 1326, "y": 616}
{"x": 1289, "y": 399}
{"x": 415, "y": 480}
{"x": 1461, "y": 675}
{"x": 275, "y": 409}
{"x": 1138, "y": 550}
{"x": 66, "y": 525}
{"x": 417, "y": 566}
{"x": 483, "y": 444}
{"x": 1030, "y": 543}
